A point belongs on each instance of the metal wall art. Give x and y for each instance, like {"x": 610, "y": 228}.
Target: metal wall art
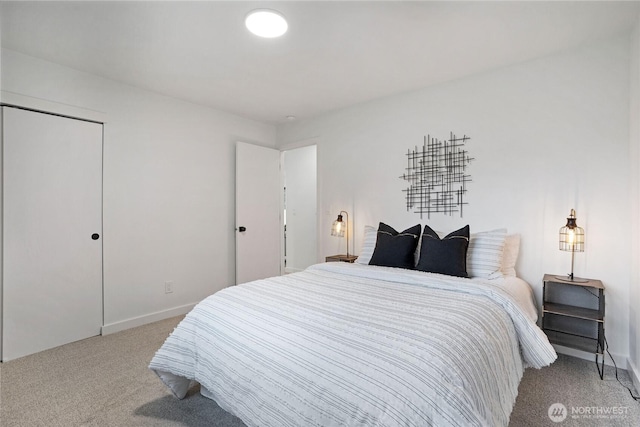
{"x": 437, "y": 176}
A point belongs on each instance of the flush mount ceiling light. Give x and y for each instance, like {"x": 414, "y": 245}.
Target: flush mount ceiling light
{"x": 266, "y": 23}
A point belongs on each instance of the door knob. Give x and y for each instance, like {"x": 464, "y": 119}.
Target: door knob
{"x": 95, "y": 236}
{"x": 242, "y": 229}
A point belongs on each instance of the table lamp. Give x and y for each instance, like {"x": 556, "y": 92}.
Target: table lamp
{"x": 571, "y": 240}
{"x": 340, "y": 228}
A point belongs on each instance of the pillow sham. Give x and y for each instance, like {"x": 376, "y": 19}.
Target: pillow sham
{"x": 510, "y": 255}
{"x": 368, "y": 245}
{"x": 395, "y": 249}
{"x": 484, "y": 257}
{"x": 445, "y": 256}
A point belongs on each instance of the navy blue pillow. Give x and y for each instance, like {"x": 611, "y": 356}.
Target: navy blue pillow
{"x": 445, "y": 256}
{"x": 395, "y": 249}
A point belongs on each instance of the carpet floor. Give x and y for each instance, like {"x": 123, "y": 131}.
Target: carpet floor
{"x": 104, "y": 381}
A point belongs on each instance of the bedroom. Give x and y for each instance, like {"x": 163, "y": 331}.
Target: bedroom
{"x": 548, "y": 134}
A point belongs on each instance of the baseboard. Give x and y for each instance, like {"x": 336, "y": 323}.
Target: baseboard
{"x": 634, "y": 374}
{"x": 621, "y": 360}
{"x": 147, "y": 318}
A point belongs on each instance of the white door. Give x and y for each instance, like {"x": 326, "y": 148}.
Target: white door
{"x": 52, "y": 231}
{"x": 258, "y": 206}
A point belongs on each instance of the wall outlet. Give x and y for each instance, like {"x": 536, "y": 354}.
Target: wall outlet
{"x": 168, "y": 287}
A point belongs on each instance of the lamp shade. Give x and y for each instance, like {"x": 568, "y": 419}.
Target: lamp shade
{"x": 338, "y": 227}
{"x": 572, "y": 236}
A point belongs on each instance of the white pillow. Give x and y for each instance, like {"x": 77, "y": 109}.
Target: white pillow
{"x": 368, "y": 244}
{"x": 510, "y": 255}
{"x": 484, "y": 256}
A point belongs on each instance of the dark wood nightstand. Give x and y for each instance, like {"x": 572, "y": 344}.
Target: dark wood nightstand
{"x": 341, "y": 258}
{"x": 573, "y": 315}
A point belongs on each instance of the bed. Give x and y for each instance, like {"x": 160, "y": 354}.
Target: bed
{"x": 359, "y": 345}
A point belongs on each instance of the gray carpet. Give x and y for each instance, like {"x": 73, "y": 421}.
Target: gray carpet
{"x": 104, "y": 381}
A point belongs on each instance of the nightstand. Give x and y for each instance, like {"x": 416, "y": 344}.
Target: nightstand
{"x": 573, "y": 315}
{"x": 342, "y": 258}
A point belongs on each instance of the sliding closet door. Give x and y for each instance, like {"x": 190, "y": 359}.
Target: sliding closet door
{"x": 52, "y": 224}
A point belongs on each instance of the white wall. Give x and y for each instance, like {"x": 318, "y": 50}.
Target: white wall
{"x": 547, "y": 136}
{"x": 168, "y": 188}
{"x": 301, "y": 204}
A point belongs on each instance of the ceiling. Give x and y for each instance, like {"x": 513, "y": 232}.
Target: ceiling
{"x": 335, "y": 54}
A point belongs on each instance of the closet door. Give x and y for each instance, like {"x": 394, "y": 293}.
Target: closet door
{"x": 52, "y": 231}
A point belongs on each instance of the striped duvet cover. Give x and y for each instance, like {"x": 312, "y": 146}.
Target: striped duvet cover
{"x": 355, "y": 345}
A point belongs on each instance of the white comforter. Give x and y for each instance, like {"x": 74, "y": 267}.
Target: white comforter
{"x": 354, "y": 345}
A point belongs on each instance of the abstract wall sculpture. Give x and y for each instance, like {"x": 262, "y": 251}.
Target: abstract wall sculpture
{"x": 437, "y": 176}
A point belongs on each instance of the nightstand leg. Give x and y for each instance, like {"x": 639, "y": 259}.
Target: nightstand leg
{"x": 600, "y": 367}
{"x": 600, "y": 346}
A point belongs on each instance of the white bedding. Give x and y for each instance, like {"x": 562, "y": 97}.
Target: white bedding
{"x": 356, "y": 345}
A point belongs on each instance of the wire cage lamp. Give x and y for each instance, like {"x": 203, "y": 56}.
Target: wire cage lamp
{"x": 571, "y": 240}
{"x": 340, "y": 228}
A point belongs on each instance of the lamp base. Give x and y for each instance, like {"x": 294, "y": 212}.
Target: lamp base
{"x": 570, "y": 279}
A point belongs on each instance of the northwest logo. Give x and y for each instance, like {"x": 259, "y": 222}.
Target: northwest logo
{"x": 557, "y": 412}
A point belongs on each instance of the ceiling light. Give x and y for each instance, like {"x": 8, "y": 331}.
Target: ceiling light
{"x": 266, "y": 23}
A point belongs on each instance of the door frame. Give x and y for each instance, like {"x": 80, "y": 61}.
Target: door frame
{"x": 292, "y": 146}
{"x": 304, "y": 144}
